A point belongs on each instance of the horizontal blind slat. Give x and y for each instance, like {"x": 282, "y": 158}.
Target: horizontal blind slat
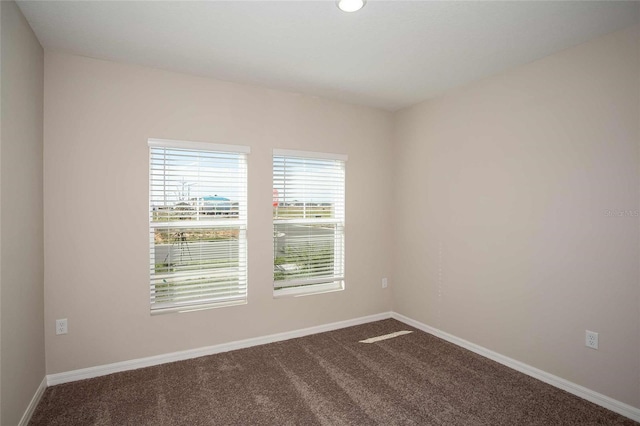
{"x": 198, "y": 205}
{"x": 308, "y": 219}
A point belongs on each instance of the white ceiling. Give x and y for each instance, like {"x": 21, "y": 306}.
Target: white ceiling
{"x": 391, "y": 54}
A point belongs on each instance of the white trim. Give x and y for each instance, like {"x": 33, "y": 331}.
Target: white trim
{"x": 307, "y": 290}
{"x": 204, "y": 146}
{"x": 197, "y": 306}
{"x": 31, "y": 408}
{"x": 573, "y": 388}
{"x": 101, "y": 370}
{"x": 309, "y": 154}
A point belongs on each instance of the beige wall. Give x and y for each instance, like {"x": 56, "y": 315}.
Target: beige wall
{"x": 502, "y": 237}
{"x": 504, "y": 187}
{"x": 21, "y": 240}
{"x": 98, "y": 117}
{"x": 0, "y": 214}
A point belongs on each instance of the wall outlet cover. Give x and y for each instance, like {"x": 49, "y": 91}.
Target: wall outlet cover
{"x": 61, "y": 326}
{"x": 591, "y": 339}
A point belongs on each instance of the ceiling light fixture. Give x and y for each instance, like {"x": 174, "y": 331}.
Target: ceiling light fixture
{"x": 350, "y": 5}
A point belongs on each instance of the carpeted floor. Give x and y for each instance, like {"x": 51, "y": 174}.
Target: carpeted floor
{"x": 324, "y": 379}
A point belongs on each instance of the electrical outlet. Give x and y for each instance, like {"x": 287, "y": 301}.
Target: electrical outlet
{"x": 384, "y": 283}
{"x": 591, "y": 339}
{"x": 61, "y": 326}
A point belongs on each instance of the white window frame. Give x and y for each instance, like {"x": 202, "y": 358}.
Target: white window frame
{"x": 239, "y": 223}
{"x": 336, "y": 282}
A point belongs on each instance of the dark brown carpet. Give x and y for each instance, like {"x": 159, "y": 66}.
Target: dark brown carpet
{"x": 324, "y": 379}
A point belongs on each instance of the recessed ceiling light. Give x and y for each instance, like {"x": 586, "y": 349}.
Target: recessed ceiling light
{"x": 350, "y": 5}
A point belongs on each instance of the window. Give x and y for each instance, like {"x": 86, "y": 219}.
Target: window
{"x": 197, "y": 225}
{"x": 308, "y": 222}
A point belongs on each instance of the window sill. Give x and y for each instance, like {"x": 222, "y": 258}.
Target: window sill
{"x": 309, "y": 290}
{"x": 200, "y": 307}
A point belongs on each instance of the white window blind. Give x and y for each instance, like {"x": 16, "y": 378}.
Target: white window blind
{"x": 197, "y": 225}
{"x": 308, "y": 222}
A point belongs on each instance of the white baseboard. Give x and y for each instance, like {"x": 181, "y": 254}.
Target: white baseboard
{"x": 573, "y": 388}
{"x": 585, "y": 393}
{"x": 102, "y": 370}
{"x": 26, "y": 417}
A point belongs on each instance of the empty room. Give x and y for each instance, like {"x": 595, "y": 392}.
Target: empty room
{"x": 319, "y": 212}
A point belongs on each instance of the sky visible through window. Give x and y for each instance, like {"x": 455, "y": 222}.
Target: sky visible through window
{"x": 307, "y": 180}
{"x": 186, "y": 175}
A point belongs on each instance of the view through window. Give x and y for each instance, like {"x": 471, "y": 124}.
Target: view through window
{"x": 308, "y": 222}
{"x": 197, "y": 224}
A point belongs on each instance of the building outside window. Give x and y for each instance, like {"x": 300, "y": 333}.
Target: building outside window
{"x": 197, "y": 225}
{"x": 308, "y": 222}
